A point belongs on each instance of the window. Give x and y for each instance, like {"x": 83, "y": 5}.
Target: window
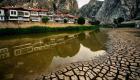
{"x": 13, "y": 12}
{"x": 26, "y": 13}
{"x": 35, "y": 13}
{"x": 20, "y": 13}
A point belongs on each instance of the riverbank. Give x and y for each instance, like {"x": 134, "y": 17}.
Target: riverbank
{"x": 44, "y": 29}
{"x": 29, "y": 24}
{"x": 121, "y": 63}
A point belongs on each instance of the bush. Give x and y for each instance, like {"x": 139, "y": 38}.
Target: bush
{"x": 118, "y": 21}
{"x": 65, "y": 20}
{"x": 94, "y": 22}
{"x": 81, "y": 20}
{"x": 137, "y": 18}
{"x": 45, "y": 19}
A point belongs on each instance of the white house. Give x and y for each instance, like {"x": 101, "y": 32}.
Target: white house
{"x": 16, "y": 14}
{"x": 2, "y": 15}
{"x": 51, "y": 16}
{"x": 37, "y": 14}
{"x": 23, "y": 15}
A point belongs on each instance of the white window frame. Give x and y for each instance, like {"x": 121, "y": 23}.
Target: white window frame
{"x": 34, "y": 13}
{"x": 13, "y": 14}
{"x": 27, "y": 13}
{"x": 2, "y": 12}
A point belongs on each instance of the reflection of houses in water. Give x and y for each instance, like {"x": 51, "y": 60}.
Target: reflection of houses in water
{"x": 34, "y": 47}
{"x": 42, "y": 52}
{"x": 38, "y": 61}
{"x": 88, "y": 39}
{"x": 4, "y": 53}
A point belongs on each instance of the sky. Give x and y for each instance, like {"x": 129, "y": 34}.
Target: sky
{"x": 83, "y": 2}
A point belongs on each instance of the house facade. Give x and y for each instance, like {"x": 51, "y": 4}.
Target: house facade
{"x": 33, "y": 15}
{"x": 16, "y": 14}
{"x": 2, "y": 15}
{"x": 37, "y": 14}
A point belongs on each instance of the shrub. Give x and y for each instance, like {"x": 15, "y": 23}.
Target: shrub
{"x": 65, "y": 20}
{"x": 45, "y": 19}
{"x": 81, "y": 20}
{"x": 137, "y": 18}
{"x": 96, "y": 22}
{"x": 118, "y": 21}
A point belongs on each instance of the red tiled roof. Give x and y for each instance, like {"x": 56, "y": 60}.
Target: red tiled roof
{"x": 70, "y": 16}
{"x": 36, "y": 9}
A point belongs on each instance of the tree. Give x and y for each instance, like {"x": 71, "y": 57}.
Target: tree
{"x": 95, "y": 22}
{"x": 65, "y": 20}
{"x": 81, "y": 20}
{"x": 45, "y": 19}
{"x": 118, "y": 21}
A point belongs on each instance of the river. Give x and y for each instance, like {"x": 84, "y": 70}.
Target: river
{"x": 28, "y": 56}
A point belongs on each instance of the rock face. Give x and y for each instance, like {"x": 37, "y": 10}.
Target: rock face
{"x": 62, "y": 5}
{"x": 91, "y": 8}
{"x": 128, "y": 9}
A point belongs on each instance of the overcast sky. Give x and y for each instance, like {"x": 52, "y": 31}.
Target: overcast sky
{"x": 83, "y": 2}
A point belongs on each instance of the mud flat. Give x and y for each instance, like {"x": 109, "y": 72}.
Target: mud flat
{"x": 121, "y": 63}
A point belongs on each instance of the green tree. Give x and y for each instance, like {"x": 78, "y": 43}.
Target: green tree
{"x": 45, "y": 19}
{"x": 81, "y": 20}
{"x": 118, "y": 21}
{"x": 65, "y": 20}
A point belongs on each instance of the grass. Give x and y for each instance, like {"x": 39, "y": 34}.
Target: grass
{"x": 44, "y": 29}
{"x": 29, "y": 24}
{"x": 123, "y": 25}
{"x": 127, "y": 25}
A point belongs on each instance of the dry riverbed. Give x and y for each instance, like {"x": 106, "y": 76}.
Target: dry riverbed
{"x": 121, "y": 63}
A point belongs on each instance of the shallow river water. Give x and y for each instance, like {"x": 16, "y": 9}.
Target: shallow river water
{"x": 26, "y": 57}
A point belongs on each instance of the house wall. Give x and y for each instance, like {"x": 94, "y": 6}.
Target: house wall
{"x": 23, "y": 16}
{"x": 34, "y": 13}
{"x": 13, "y": 15}
{"x": 35, "y": 18}
{"x": 42, "y": 13}
{"x": 2, "y": 14}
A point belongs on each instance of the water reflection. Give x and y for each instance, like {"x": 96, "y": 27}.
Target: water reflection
{"x": 25, "y": 58}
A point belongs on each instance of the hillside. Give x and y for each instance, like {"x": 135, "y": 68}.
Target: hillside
{"x": 109, "y": 9}
{"x": 62, "y": 5}
{"x": 90, "y": 9}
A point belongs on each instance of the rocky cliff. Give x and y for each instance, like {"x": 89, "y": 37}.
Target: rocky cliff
{"x": 62, "y": 5}
{"x": 128, "y": 9}
{"x": 91, "y": 8}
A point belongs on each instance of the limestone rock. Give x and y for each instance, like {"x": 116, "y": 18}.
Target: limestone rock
{"x": 90, "y": 9}
{"x": 128, "y": 9}
{"x": 62, "y": 5}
